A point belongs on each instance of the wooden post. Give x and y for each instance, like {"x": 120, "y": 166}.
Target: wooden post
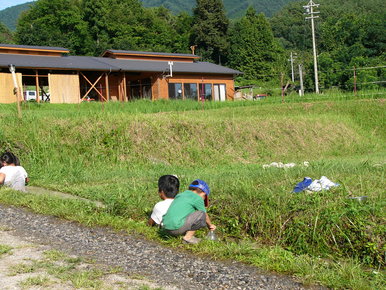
{"x": 202, "y": 93}
{"x": 80, "y": 99}
{"x": 124, "y": 87}
{"x": 37, "y": 85}
{"x": 107, "y": 87}
{"x": 355, "y": 82}
{"x": 16, "y": 89}
{"x": 120, "y": 90}
{"x": 198, "y": 91}
{"x": 282, "y": 87}
{"x": 159, "y": 88}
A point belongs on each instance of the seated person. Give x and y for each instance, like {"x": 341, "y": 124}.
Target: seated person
{"x": 11, "y": 173}
{"x": 168, "y": 187}
{"x": 187, "y": 213}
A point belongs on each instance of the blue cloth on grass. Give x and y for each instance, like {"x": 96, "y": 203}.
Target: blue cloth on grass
{"x": 302, "y": 185}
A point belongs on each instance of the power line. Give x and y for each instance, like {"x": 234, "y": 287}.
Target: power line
{"x": 373, "y": 67}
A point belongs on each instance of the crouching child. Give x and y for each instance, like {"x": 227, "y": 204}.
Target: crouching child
{"x": 187, "y": 213}
{"x": 168, "y": 187}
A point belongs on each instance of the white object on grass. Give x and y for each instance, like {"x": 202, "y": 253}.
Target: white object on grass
{"x": 321, "y": 184}
{"x": 284, "y": 165}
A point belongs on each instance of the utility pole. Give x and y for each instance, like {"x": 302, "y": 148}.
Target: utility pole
{"x": 301, "y": 93}
{"x": 292, "y": 58}
{"x": 310, "y": 11}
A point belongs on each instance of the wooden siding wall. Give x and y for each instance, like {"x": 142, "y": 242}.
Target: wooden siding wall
{"x": 175, "y": 58}
{"x": 64, "y": 88}
{"x": 161, "y": 86}
{"x": 6, "y": 87}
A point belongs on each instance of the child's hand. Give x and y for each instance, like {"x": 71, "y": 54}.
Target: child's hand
{"x": 212, "y": 227}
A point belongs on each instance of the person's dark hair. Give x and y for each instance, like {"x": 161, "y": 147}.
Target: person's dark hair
{"x": 9, "y": 158}
{"x": 169, "y": 185}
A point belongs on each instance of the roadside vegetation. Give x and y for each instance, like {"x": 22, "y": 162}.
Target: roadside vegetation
{"x": 114, "y": 153}
{"x": 4, "y": 249}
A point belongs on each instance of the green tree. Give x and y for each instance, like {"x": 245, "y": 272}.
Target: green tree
{"x": 183, "y": 28}
{"x": 5, "y": 34}
{"x": 125, "y": 24}
{"x": 354, "y": 35}
{"x": 209, "y": 30}
{"x": 113, "y": 24}
{"x": 54, "y": 23}
{"x": 89, "y": 27}
{"x": 254, "y": 50}
{"x": 164, "y": 32}
{"x": 290, "y": 27}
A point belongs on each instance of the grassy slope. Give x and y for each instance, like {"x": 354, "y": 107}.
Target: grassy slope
{"x": 116, "y": 156}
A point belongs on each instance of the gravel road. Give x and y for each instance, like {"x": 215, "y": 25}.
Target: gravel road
{"x": 169, "y": 268}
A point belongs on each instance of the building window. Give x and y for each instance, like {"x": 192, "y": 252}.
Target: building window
{"x": 205, "y": 92}
{"x": 175, "y": 91}
{"x": 190, "y": 91}
{"x": 219, "y": 92}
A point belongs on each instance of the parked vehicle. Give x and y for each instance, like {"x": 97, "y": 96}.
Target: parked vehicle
{"x": 31, "y": 96}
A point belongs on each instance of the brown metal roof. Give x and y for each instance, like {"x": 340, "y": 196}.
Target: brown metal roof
{"x": 34, "y": 48}
{"x": 88, "y": 63}
{"x": 149, "y": 53}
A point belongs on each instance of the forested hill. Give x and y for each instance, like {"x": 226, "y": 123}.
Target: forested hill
{"x": 234, "y": 8}
{"x": 10, "y": 15}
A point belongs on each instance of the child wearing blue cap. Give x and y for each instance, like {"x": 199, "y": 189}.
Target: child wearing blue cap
{"x": 187, "y": 213}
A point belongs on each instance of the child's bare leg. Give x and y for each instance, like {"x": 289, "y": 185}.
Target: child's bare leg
{"x": 189, "y": 235}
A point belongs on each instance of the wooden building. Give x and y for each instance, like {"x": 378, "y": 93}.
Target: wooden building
{"x": 117, "y": 75}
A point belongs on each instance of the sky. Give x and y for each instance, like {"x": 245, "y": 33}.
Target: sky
{"x": 8, "y": 3}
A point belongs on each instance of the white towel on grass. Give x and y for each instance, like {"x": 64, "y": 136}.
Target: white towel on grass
{"x": 321, "y": 184}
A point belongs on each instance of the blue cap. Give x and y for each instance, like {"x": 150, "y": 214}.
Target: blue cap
{"x": 201, "y": 185}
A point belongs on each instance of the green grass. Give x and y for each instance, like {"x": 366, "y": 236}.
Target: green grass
{"x": 4, "y": 249}
{"x": 22, "y": 268}
{"x": 40, "y": 280}
{"x": 115, "y": 153}
{"x": 67, "y": 269}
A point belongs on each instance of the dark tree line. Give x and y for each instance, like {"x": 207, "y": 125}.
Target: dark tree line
{"x": 349, "y": 33}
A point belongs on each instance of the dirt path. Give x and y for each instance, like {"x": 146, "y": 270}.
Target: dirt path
{"x": 33, "y": 234}
{"x": 36, "y": 266}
